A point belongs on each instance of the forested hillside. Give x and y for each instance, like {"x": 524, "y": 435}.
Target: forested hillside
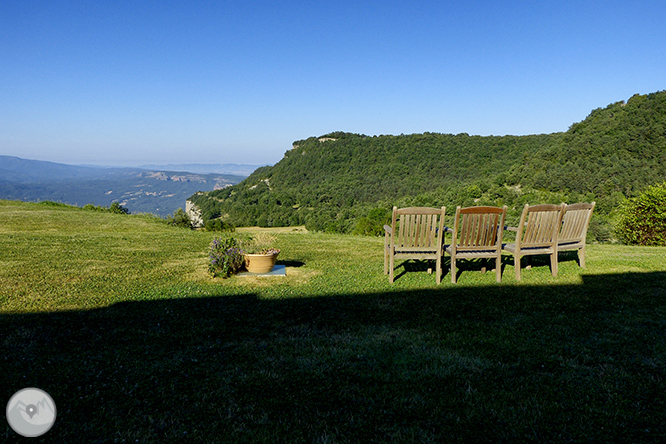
{"x": 621, "y": 148}
{"x": 348, "y": 182}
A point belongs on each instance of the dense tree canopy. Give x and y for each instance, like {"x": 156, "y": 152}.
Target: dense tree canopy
{"x": 335, "y": 181}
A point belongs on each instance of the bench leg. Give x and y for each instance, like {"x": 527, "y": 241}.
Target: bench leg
{"x": 498, "y": 269}
{"x": 386, "y": 259}
{"x": 553, "y": 263}
{"x": 516, "y": 262}
{"x": 391, "y": 266}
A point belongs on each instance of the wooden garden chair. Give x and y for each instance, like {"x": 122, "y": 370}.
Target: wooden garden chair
{"x": 573, "y": 232}
{"x": 477, "y": 233}
{"x": 415, "y": 233}
{"x": 536, "y": 234}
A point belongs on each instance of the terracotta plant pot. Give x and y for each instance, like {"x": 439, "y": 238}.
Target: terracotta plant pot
{"x": 260, "y": 263}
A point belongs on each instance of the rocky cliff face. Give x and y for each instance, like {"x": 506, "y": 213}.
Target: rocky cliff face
{"x": 194, "y": 214}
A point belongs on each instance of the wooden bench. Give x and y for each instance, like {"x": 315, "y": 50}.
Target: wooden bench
{"x": 573, "y": 232}
{"x": 536, "y": 234}
{"x": 415, "y": 233}
{"x": 477, "y": 233}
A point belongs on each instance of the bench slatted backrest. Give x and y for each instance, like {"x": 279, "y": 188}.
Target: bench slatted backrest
{"x": 478, "y": 227}
{"x": 575, "y": 222}
{"x": 418, "y": 228}
{"x": 539, "y": 226}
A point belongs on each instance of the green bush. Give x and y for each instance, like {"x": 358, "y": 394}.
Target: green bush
{"x": 600, "y": 229}
{"x": 643, "y": 219}
{"x": 218, "y": 225}
{"x": 226, "y": 257}
{"x": 179, "y": 219}
{"x": 51, "y": 203}
{"x": 373, "y": 223}
{"x": 115, "y": 208}
{"x": 118, "y": 209}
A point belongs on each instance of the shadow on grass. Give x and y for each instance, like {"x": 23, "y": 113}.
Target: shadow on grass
{"x": 477, "y": 265}
{"x": 291, "y": 264}
{"x": 582, "y": 363}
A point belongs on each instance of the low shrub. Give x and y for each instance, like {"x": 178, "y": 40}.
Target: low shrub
{"x": 600, "y": 229}
{"x": 643, "y": 219}
{"x": 179, "y": 219}
{"x": 118, "y": 209}
{"x": 226, "y": 257}
{"x": 115, "y": 208}
{"x": 218, "y": 225}
{"x": 50, "y": 203}
{"x": 373, "y": 223}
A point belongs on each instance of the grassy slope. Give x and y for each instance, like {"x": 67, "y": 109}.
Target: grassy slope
{"x": 116, "y": 317}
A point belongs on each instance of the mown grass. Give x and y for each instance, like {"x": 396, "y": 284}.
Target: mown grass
{"x": 117, "y": 318}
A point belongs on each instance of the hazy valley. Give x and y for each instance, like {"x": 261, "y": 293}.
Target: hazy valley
{"x": 141, "y": 190}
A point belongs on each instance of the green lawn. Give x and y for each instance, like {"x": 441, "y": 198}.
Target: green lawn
{"x": 117, "y": 318}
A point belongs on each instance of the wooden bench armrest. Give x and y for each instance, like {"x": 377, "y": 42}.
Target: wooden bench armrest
{"x": 448, "y": 230}
{"x": 513, "y": 228}
{"x": 387, "y": 229}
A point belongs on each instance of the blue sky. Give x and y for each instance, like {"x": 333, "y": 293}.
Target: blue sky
{"x": 134, "y": 82}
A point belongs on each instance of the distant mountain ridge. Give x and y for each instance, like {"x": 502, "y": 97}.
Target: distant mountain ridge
{"x": 16, "y": 169}
{"x": 207, "y": 168}
{"x": 160, "y": 192}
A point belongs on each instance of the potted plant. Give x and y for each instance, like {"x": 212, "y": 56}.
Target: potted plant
{"x": 259, "y": 254}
